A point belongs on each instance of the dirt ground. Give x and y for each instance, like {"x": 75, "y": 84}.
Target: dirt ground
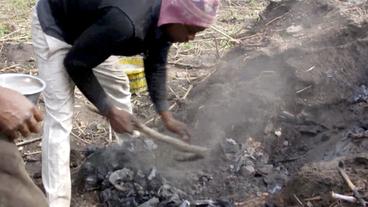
{"x": 300, "y": 94}
{"x": 279, "y": 112}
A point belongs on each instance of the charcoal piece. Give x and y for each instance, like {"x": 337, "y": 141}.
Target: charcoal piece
{"x": 230, "y": 146}
{"x": 185, "y": 203}
{"x": 131, "y": 202}
{"x": 123, "y": 175}
{"x": 152, "y": 174}
{"x": 150, "y": 203}
{"x": 243, "y": 159}
{"x": 114, "y": 198}
{"x": 204, "y": 178}
{"x": 274, "y": 182}
{"x": 224, "y": 203}
{"x": 150, "y": 144}
{"x": 360, "y": 94}
{"x": 155, "y": 183}
{"x": 90, "y": 149}
{"x": 141, "y": 180}
{"x": 213, "y": 203}
{"x": 91, "y": 183}
{"x": 140, "y": 174}
{"x": 140, "y": 191}
{"x": 170, "y": 196}
{"x": 170, "y": 203}
{"x": 247, "y": 171}
{"x": 166, "y": 192}
{"x": 264, "y": 169}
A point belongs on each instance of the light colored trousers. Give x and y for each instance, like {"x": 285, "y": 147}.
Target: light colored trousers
{"x": 59, "y": 102}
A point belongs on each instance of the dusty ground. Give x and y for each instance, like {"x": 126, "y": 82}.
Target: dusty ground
{"x": 279, "y": 112}
{"x": 300, "y": 94}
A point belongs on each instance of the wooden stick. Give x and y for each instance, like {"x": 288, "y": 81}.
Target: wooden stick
{"x": 187, "y": 93}
{"x": 352, "y": 187}
{"x": 172, "y": 91}
{"x": 14, "y": 38}
{"x": 79, "y": 138}
{"x": 217, "y": 48}
{"x": 178, "y": 144}
{"x": 172, "y": 106}
{"x": 110, "y": 133}
{"x": 311, "y": 68}
{"x": 306, "y": 88}
{"x": 315, "y": 198}
{"x": 32, "y": 153}
{"x": 183, "y": 65}
{"x": 225, "y": 35}
{"x": 350, "y": 199}
{"x": 9, "y": 34}
{"x": 275, "y": 19}
{"x": 28, "y": 141}
{"x": 151, "y": 119}
{"x": 300, "y": 203}
{"x": 10, "y": 67}
{"x": 208, "y": 75}
{"x": 175, "y": 104}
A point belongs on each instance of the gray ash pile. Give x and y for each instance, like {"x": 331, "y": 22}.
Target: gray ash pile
{"x": 122, "y": 179}
{"x": 131, "y": 187}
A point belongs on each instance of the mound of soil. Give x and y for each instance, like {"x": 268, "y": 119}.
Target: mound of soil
{"x": 280, "y": 111}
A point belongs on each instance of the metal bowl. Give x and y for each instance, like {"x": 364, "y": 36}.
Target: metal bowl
{"x": 28, "y": 85}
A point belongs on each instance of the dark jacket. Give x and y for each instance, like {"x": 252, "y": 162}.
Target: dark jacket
{"x": 97, "y": 29}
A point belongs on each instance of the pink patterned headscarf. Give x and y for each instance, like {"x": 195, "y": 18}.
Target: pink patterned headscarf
{"x": 190, "y": 12}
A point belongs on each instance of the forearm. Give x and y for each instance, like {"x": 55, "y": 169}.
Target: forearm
{"x": 156, "y": 75}
{"x": 157, "y": 90}
{"x": 165, "y": 116}
{"x": 88, "y": 84}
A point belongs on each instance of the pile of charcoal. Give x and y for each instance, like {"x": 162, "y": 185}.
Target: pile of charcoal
{"x": 115, "y": 173}
{"x": 128, "y": 187}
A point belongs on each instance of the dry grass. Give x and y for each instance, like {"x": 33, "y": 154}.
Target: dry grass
{"x": 214, "y": 42}
{"x": 233, "y": 18}
{"x": 15, "y": 20}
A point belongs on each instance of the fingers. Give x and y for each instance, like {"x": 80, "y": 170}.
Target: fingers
{"x": 183, "y": 132}
{"x": 28, "y": 126}
{"x": 129, "y": 127}
{"x": 134, "y": 120}
{"x": 122, "y": 125}
{"x": 37, "y": 114}
{"x": 24, "y": 130}
{"x": 187, "y": 137}
{"x": 179, "y": 128}
{"x": 33, "y": 124}
{"x": 188, "y": 132}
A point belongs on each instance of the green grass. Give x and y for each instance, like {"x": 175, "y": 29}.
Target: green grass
{"x": 3, "y": 30}
{"x": 187, "y": 46}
